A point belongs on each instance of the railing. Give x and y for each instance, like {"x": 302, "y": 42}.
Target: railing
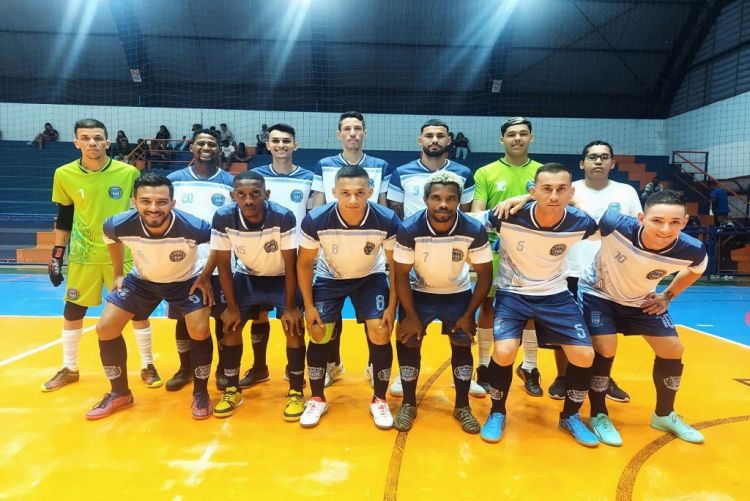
{"x": 150, "y": 152}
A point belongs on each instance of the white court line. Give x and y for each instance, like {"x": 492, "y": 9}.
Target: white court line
{"x": 20, "y": 356}
{"x": 715, "y": 336}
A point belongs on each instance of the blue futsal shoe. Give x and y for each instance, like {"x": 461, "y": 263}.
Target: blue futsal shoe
{"x": 580, "y": 432}
{"x": 492, "y": 431}
{"x": 674, "y": 424}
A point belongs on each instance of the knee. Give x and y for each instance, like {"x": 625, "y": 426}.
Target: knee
{"x": 294, "y": 341}
{"x": 672, "y": 350}
{"x": 582, "y": 357}
{"x": 504, "y": 355}
{"x": 106, "y": 330}
{"x": 607, "y": 350}
{"x": 74, "y": 312}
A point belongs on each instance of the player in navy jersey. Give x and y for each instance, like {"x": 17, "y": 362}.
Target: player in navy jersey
{"x": 433, "y": 250}
{"x": 531, "y": 285}
{"x": 352, "y": 134}
{"x": 618, "y": 294}
{"x": 289, "y": 186}
{"x": 352, "y": 238}
{"x": 200, "y": 189}
{"x": 263, "y": 237}
{"x": 164, "y": 243}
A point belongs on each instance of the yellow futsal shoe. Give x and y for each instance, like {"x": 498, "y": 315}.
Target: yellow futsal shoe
{"x": 295, "y": 406}
{"x": 229, "y": 402}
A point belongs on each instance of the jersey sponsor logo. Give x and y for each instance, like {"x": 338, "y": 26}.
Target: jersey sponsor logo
{"x": 500, "y": 185}
{"x": 596, "y": 318}
{"x": 369, "y": 248}
{"x": 271, "y": 246}
{"x": 296, "y": 196}
{"x": 529, "y": 185}
{"x": 218, "y": 199}
{"x": 73, "y": 294}
{"x": 115, "y": 192}
{"x": 615, "y": 206}
{"x": 176, "y": 256}
{"x": 558, "y": 250}
{"x": 655, "y": 274}
{"x": 457, "y": 255}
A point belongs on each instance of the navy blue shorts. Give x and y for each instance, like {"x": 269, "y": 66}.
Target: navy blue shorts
{"x": 220, "y": 302}
{"x": 369, "y": 295}
{"x": 261, "y": 293}
{"x": 447, "y": 308}
{"x": 561, "y": 320}
{"x": 140, "y": 297}
{"x": 573, "y": 288}
{"x": 608, "y": 317}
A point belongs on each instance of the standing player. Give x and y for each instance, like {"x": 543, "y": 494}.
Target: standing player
{"x": 406, "y": 191}
{"x": 88, "y": 191}
{"x": 165, "y": 247}
{"x": 507, "y": 177}
{"x": 352, "y": 239}
{"x": 263, "y": 236}
{"x": 432, "y": 254}
{"x": 289, "y": 186}
{"x": 531, "y": 286}
{"x": 618, "y": 294}
{"x": 352, "y": 133}
{"x": 200, "y": 189}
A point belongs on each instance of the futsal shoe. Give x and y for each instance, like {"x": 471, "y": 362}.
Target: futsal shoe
{"x": 674, "y": 424}
{"x": 221, "y": 380}
{"x": 182, "y": 377}
{"x": 475, "y": 389}
{"x": 405, "y": 416}
{"x": 315, "y": 408}
{"x": 603, "y": 428}
{"x": 108, "y": 405}
{"x": 62, "y": 378}
{"x": 492, "y": 431}
{"x": 229, "y": 402}
{"x": 530, "y": 380}
{"x": 616, "y": 393}
{"x": 253, "y": 376}
{"x": 151, "y": 377}
{"x": 368, "y": 375}
{"x": 333, "y": 372}
{"x": 482, "y": 379}
{"x": 578, "y": 430}
{"x": 381, "y": 414}
{"x": 201, "y": 406}
{"x": 556, "y": 390}
{"x": 468, "y": 422}
{"x": 294, "y": 406}
{"x": 396, "y": 389}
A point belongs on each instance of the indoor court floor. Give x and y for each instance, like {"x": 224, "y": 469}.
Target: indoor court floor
{"x": 156, "y": 451}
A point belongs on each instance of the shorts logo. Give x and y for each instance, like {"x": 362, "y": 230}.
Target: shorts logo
{"x": 656, "y": 274}
{"x": 558, "y": 250}
{"x": 369, "y": 248}
{"x": 296, "y": 196}
{"x": 596, "y": 318}
{"x": 320, "y": 306}
{"x": 176, "y": 256}
{"x": 123, "y": 293}
{"x": 271, "y": 246}
{"x": 529, "y": 185}
{"x": 457, "y": 255}
{"x": 218, "y": 199}
{"x": 615, "y": 206}
{"x": 500, "y": 185}
{"x": 193, "y": 298}
{"x": 115, "y": 192}
{"x": 73, "y": 294}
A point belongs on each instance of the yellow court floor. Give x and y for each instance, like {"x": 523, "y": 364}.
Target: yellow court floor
{"x": 156, "y": 451}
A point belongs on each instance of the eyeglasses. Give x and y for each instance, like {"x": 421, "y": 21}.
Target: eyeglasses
{"x": 594, "y": 157}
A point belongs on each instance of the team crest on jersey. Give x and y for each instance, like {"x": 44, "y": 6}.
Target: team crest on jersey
{"x": 296, "y": 196}
{"x": 457, "y": 255}
{"x": 218, "y": 199}
{"x": 73, "y": 294}
{"x": 596, "y": 318}
{"x": 656, "y": 274}
{"x": 615, "y": 206}
{"x": 176, "y": 255}
{"x": 271, "y": 246}
{"x": 529, "y": 185}
{"x": 369, "y": 248}
{"x": 115, "y": 192}
{"x": 558, "y": 250}
{"x": 500, "y": 185}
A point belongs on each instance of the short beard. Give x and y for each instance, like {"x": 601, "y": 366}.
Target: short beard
{"x": 434, "y": 154}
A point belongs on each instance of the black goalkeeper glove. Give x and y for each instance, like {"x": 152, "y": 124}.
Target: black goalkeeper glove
{"x": 54, "y": 268}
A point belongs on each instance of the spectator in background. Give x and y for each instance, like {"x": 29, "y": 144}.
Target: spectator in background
{"x": 452, "y": 146}
{"x": 162, "y": 137}
{"x": 719, "y": 202}
{"x": 121, "y": 149}
{"x": 227, "y": 151}
{"x": 225, "y": 133}
{"x": 185, "y": 144}
{"x": 241, "y": 154}
{"x": 462, "y": 146}
{"x": 653, "y": 187}
{"x": 262, "y": 147}
{"x": 48, "y": 134}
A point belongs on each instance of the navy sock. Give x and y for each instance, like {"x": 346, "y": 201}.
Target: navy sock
{"x": 600, "y": 372}
{"x": 410, "y": 362}
{"x": 295, "y": 358}
{"x": 334, "y": 345}
{"x": 667, "y": 376}
{"x": 232, "y": 359}
{"x": 577, "y": 383}
{"x": 114, "y": 356}
{"x": 259, "y": 334}
{"x": 182, "y": 338}
{"x": 462, "y": 364}
{"x": 219, "y": 323}
{"x": 382, "y": 361}
{"x": 316, "y": 368}
{"x": 201, "y": 354}
{"x": 500, "y": 377}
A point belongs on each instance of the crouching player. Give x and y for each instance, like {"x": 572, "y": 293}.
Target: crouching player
{"x": 617, "y": 293}
{"x": 164, "y": 243}
{"x": 433, "y": 249}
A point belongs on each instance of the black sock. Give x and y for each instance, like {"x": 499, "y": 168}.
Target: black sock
{"x": 201, "y": 353}
{"x": 295, "y": 359}
{"x": 600, "y": 371}
{"x": 232, "y": 356}
{"x": 114, "y": 356}
{"x": 183, "y": 343}
{"x": 316, "y": 368}
{"x": 667, "y": 376}
{"x": 410, "y": 362}
{"x": 334, "y": 345}
{"x": 382, "y": 361}
{"x": 259, "y": 334}
{"x": 462, "y": 363}
{"x": 499, "y": 377}
{"x": 577, "y": 383}
{"x": 219, "y": 323}
{"x": 369, "y": 349}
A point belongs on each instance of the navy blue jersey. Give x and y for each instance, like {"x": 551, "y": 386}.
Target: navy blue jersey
{"x": 325, "y": 174}
{"x": 289, "y": 190}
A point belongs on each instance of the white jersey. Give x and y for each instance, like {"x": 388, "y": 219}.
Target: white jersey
{"x": 625, "y": 272}
{"x": 325, "y": 175}
{"x": 618, "y": 196}
{"x": 289, "y": 190}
